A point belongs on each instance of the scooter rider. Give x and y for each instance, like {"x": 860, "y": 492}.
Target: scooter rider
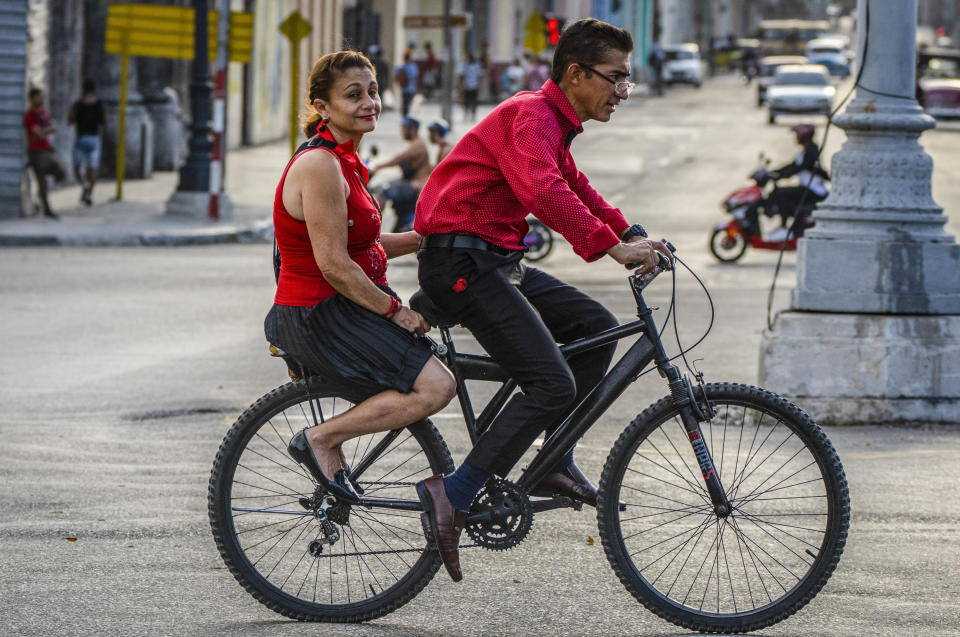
{"x": 812, "y": 178}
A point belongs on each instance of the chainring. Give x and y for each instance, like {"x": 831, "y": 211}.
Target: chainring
{"x": 511, "y": 516}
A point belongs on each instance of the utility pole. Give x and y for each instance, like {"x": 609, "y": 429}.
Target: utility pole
{"x": 446, "y": 107}
{"x": 192, "y": 197}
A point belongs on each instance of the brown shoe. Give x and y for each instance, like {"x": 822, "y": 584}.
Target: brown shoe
{"x": 570, "y": 483}
{"x": 445, "y": 522}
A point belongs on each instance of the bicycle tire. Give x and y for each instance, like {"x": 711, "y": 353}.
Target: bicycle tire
{"x": 539, "y": 242}
{"x": 253, "y": 470}
{"x": 802, "y": 527}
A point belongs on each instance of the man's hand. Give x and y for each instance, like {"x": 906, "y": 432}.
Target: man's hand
{"x": 411, "y": 321}
{"x": 642, "y": 251}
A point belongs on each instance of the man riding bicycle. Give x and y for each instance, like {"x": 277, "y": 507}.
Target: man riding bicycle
{"x": 471, "y": 212}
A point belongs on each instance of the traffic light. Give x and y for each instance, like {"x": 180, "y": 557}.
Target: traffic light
{"x": 554, "y": 27}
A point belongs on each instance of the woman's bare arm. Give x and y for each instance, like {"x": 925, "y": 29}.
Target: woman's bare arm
{"x": 323, "y": 194}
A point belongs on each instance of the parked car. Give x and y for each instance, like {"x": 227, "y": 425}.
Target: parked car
{"x": 941, "y": 97}
{"x": 768, "y": 66}
{"x": 682, "y": 63}
{"x": 831, "y": 53}
{"x": 800, "y": 88}
{"x": 939, "y": 86}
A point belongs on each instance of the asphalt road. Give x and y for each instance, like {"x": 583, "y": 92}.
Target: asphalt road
{"x": 123, "y": 368}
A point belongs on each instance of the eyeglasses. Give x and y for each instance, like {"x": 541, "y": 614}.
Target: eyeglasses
{"x": 624, "y": 88}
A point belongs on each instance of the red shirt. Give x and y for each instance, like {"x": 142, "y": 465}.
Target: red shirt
{"x": 32, "y": 119}
{"x": 301, "y": 282}
{"x": 516, "y": 162}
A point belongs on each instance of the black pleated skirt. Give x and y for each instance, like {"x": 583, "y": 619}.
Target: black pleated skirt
{"x": 346, "y": 343}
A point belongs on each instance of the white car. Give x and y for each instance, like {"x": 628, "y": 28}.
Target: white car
{"x": 831, "y": 53}
{"x": 800, "y": 88}
{"x": 768, "y": 68}
{"x": 682, "y": 63}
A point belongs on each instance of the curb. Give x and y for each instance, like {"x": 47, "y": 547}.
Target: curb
{"x": 257, "y": 232}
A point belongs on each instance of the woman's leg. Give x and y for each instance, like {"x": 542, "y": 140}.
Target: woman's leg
{"x": 432, "y": 390}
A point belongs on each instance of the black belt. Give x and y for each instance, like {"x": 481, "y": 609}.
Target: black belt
{"x": 464, "y": 241}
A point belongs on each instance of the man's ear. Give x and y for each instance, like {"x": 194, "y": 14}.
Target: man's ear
{"x": 574, "y": 74}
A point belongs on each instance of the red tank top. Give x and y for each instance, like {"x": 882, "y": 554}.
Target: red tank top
{"x": 301, "y": 282}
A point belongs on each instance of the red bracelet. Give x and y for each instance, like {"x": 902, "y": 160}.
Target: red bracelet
{"x": 395, "y": 306}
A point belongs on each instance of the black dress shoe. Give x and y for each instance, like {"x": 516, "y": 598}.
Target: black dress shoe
{"x": 570, "y": 483}
{"x": 339, "y": 487}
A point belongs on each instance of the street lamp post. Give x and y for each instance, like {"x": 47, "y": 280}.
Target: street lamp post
{"x": 192, "y": 196}
{"x": 873, "y": 330}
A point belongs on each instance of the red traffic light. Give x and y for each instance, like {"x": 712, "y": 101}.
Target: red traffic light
{"x": 553, "y": 30}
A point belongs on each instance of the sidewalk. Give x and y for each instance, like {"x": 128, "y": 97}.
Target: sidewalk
{"x": 140, "y": 219}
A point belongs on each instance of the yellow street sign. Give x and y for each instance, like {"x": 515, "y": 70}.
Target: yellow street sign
{"x": 535, "y": 28}
{"x": 164, "y": 32}
{"x": 295, "y": 28}
{"x": 167, "y": 32}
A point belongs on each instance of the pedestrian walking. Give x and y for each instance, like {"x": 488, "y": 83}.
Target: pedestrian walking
{"x": 406, "y": 78}
{"x": 471, "y": 214}
{"x": 334, "y": 312}
{"x": 470, "y": 74}
{"x": 538, "y": 73}
{"x": 430, "y": 78}
{"x": 655, "y": 61}
{"x": 382, "y": 68}
{"x": 514, "y": 78}
{"x": 89, "y": 117}
{"x": 40, "y": 155}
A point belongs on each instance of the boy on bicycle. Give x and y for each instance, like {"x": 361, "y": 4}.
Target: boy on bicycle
{"x": 471, "y": 212}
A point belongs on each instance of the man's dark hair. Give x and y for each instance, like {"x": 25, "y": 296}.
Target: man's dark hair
{"x": 89, "y": 86}
{"x": 34, "y": 92}
{"x": 588, "y": 41}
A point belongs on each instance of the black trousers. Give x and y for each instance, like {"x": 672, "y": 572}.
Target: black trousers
{"x": 518, "y": 314}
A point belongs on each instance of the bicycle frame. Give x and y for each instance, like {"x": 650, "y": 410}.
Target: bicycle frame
{"x": 627, "y": 369}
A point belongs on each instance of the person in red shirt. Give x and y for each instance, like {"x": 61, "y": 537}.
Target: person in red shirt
{"x": 333, "y": 311}
{"x": 471, "y": 213}
{"x": 40, "y": 155}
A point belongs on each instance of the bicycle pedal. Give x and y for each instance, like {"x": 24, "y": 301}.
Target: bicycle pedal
{"x": 427, "y": 530}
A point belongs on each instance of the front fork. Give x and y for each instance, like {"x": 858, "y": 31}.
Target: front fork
{"x": 692, "y": 413}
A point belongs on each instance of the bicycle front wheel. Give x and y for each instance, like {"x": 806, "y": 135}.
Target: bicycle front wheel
{"x": 752, "y": 568}
{"x": 264, "y": 509}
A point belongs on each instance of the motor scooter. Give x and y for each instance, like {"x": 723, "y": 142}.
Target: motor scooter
{"x": 730, "y": 239}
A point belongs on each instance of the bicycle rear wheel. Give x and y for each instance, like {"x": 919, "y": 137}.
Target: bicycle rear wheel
{"x": 743, "y": 572}
{"x": 263, "y": 512}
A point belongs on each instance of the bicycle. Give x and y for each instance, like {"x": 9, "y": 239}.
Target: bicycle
{"x": 722, "y": 507}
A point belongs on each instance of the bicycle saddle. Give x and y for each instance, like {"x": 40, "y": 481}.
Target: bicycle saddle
{"x": 421, "y": 303}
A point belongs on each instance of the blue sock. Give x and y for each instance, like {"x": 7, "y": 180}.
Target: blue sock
{"x": 563, "y": 462}
{"x": 463, "y": 485}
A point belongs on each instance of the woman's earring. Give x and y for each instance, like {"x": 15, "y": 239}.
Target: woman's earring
{"x": 323, "y": 124}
